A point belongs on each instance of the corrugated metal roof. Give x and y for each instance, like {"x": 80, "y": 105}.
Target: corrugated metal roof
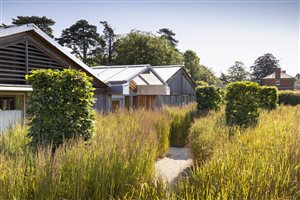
{"x": 31, "y": 27}
{"x": 166, "y": 72}
{"x": 141, "y": 74}
{"x": 282, "y": 75}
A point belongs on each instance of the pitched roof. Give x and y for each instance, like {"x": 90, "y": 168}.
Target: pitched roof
{"x": 141, "y": 74}
{"x": 167, "y": 71}
{"x": 12, "y": 30}
{"x": 282, "y": 75}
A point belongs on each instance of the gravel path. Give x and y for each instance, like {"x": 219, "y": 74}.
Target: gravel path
{"x": 176, "y": 162}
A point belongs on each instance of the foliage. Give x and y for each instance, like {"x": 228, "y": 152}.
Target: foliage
{"x": 263, "y": 66}
{"x": 191, "y": 63}
{"x": 83, "y": 39}
{"x": 207, "y": 75}
{"x": 60, "y": 106}
{"x": 109, "y": 38}
{"x": 145, "y": 48}
{"x": 261, "y": 163}
{"x": 201, "y": 83}
{"x": 169, "y": 35}
{"x": 242, "y": 106}
{"x": 236, "y": 72}
{"x": 289, "y": 97}
{"x": 44, "y": 23}
{"x": 268, "y": 97}
{"x": 208, "y": 98}
{"x": 181, "y": 119}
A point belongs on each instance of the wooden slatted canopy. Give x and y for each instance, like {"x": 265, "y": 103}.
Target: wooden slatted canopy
{"x": 25, "y": 48}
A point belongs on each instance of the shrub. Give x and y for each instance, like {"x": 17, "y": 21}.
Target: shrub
{"x": 60, "y": 106}
{"x": 242, "y": 103}
{"x": 208, "y": 98}
{"x": 289, "y": 97}
{"x": 181, "y": 119}
{"x": 268, "y": 97}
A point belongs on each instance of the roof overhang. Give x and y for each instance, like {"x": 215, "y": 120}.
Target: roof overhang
{"x": 15, "y": 88}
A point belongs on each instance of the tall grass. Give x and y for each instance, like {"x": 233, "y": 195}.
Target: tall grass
{"x": 257, "y": 163}
{"x": 181, "y": 120}
{"x": 117, "y": 162}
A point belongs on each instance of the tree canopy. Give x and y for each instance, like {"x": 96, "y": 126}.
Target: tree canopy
{"x": 139, "y": 47}
{"x": 198, "y": 72}
{"x": 83, "y": 39}
{"x": 236, "y": 72}
{"x": 109, "y": 38}
{"x": 263, "y": 66}
{"x": 169, "y": 35}
{"x": 43, "y": 23}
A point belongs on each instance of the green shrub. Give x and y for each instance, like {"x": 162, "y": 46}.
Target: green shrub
{"x": 268, "y": 97}
{"x": 243, "y": 102}
{"x": 289, "y": 97}
{"x": 208, "y": 98}
{"x": 60, "y": 106}
{"x": 181, "y": 119}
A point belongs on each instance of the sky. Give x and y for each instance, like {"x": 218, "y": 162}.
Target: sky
{"x": 219, "y": 31}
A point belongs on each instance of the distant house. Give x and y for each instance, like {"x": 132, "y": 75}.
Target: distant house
{"x": 182, "y": 87}
{"x": 25, "y": 48}
{"x": 279, "y": 79}
{"x": 132, "y": 86}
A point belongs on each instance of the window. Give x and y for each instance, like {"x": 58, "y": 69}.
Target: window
{"x": 7, "y": 103}
{"x": 277, "y": 83}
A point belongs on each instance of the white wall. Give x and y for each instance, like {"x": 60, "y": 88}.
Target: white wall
{"x": 9, "y": 117}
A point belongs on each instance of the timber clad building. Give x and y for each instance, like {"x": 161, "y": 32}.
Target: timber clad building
{"x": 25, "y": 48}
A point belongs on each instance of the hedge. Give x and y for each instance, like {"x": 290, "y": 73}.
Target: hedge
{"x": 243, "y": 102}
{"x": 60, "y": 106}
{"x": 268, "y": 97}
{"x": 289, "y": 97}
{"x": 208, "y": 98}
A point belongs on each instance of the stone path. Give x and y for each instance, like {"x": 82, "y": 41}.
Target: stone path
{"x": 176, "y": 162}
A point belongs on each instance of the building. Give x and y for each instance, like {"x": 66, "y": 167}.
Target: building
{"x": 182, "y": 87}
{"x": 279, "y": 79}
{"x": 132, "y": 86}
{"x": 25, "y": 48}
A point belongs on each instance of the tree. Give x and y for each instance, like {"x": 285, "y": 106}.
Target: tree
{"x": 43, "y": 23}
{"x": 109, "y": 38}
{"x": 237, "y": 72}
{"x": 224, "y": 78}
{"x": 297, "y": 76}
{"x": 169, "y": 35}
{"x": 191, "y": 63}
{"x": 198, "y": 72}
{"x": 207, "y": 75}
{"x": 83, "y": 39}
{"x": 263, "y": 66}
{"x": 145, "y": 48}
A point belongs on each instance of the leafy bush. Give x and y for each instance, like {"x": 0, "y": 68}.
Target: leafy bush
{"x": 208, "y": 98}
{"x": 289, "y": 97}
{"x": 243, "y": 102}
{"x": 181, "y": 119}
{"x": 268, "y": 97}
{"x": 60, "y": 106}
{"x": 201, "y": 83}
